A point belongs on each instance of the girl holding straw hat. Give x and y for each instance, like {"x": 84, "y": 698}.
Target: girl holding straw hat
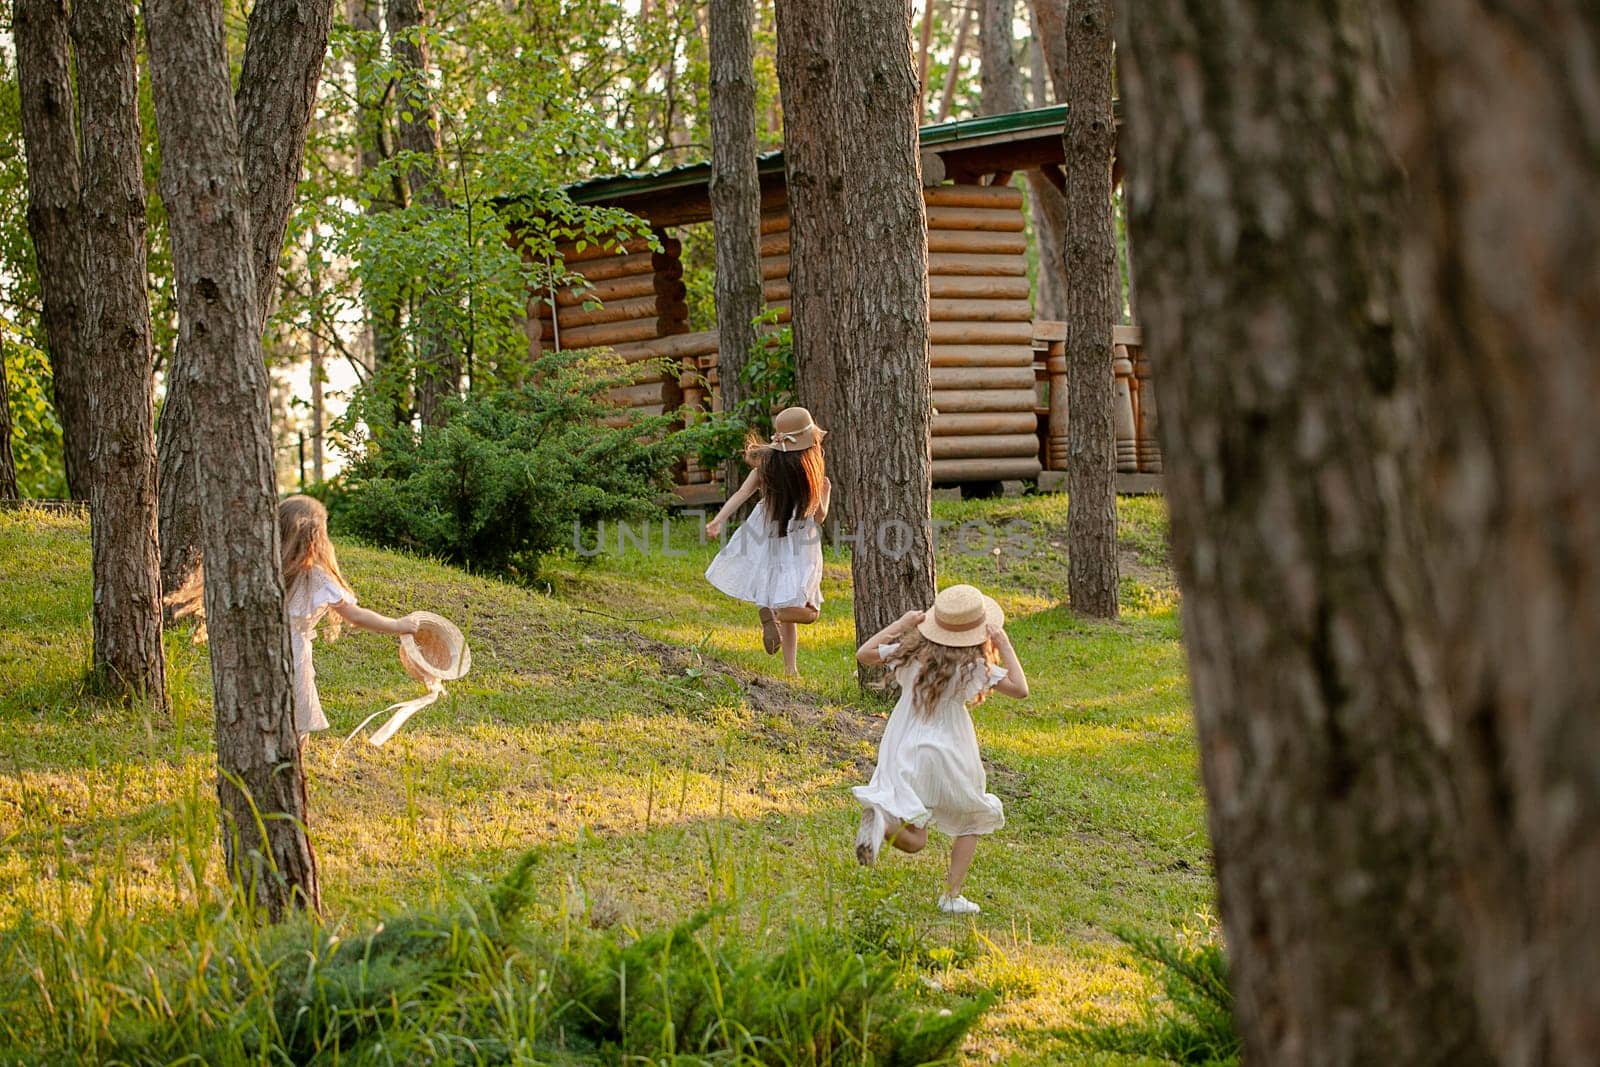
{"x": 774, "y": 560}
{"x": 314, "y": 590}
{"x": 929, "y": 772}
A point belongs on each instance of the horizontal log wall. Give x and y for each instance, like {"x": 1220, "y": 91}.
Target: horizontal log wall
{"x": 980, "y": 335}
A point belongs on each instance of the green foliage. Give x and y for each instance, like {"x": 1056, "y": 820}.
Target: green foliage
{"x": 515, "y": 471}
{"x": 769, "y": 378}
{"x": 35, "y": 430}
{"x": 1195, "y": 1023}
{"x": 474, "y": 980}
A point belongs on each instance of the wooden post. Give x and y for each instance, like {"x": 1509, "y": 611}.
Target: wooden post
{"x": 1123, "y": 413}
{"x": 1056, "y": 363}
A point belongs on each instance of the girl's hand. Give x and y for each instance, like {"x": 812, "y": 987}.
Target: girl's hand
{"x": 406, "y": 626}
{"x": 714, "y": 528}
{"x": 998, "y": 635}
{"x": 912, "y": 619}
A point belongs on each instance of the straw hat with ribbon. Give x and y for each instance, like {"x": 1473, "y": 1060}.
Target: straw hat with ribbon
{"x": 794, "y": 430}
{"x": 961, "y": 616}
{"x": 435, "y": 654}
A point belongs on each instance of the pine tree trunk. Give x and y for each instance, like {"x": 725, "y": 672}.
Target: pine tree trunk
{"x": 807, "y": 68}
{"x": 883, "y": 315}
{"x": 49, "y": 127}
{"x": 1496, "y": 108}
{"x": 438, "y": 369}
{"x": 115, "y": 338}
{"x": 968, "y": 14}
{"x": 261, "y": 782}
{"x": 8, "y": 467}
{"x": 735, "y": 199}
{"x": 1092, "y": 302}
{"x": 1050, "y": 31}
{"x": 858, "y": 269}
{"x": 284, "y": 48}
{"x": 1288, "y": 393}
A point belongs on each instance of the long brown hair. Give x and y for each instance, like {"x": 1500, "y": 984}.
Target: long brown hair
{"x": 938, "y": 666}
{"x": 791, "y": 482}
{"x": 303, "y": 543}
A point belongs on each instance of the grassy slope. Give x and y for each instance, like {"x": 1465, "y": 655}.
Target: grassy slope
{"x": 655, "y": 762}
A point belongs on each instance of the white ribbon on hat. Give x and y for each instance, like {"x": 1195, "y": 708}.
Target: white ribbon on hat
{"x": 788, "y": 437}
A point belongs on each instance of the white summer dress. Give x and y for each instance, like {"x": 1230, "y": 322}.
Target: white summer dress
{"x": 309, "y": 601}
{"x": 770, "y": 571}
{"x": 929, "y": 770}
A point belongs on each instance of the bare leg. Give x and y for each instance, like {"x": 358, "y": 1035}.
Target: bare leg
{"x": 791, "y": 647}
{"x": 960, "y": 859}
{"x": 908, "y": 839}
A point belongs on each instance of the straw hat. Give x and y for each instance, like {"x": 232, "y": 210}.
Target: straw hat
{"x": 961, "y": 616}
{"x": 437, "y": 651}
{"x": 794, "y": 430}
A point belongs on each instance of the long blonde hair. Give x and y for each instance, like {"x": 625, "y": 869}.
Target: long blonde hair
{"x": 304, "y": 544}
{"x": 939, "y": 666}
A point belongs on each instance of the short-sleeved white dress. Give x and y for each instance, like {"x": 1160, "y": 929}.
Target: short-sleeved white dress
{"x": 769, "y": 571}
{"x": 929, "y": 771}
{"x": 313, "y": 594}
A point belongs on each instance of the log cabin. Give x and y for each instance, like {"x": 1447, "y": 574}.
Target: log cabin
{"x": 998, "y": 373}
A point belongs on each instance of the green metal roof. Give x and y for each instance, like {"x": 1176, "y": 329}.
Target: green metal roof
{"x": 614, "y": 187}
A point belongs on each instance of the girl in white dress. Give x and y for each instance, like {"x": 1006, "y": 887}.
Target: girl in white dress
{"x": 774, "y": 560}
{"x": 314, "y": 590}
{"x": 929, "y": 772}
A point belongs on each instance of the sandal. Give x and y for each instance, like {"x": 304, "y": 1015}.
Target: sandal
{"x": 770, "y": 640}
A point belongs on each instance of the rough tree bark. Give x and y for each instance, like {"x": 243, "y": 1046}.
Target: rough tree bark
{"x": 1091, "y": 264}
{"x": 86, "y": 215}
{"x": 284, "y": 47}
{"x": 968, "y": 14}
{"x": 1050, "y": 31}
{"x": 1265, "y": 222}
{"x": 1499, "y": 134}
{"x": 858, "y": 268}
{"x": 735, "y": 198}
{"x": 8, "y": 467}
{"x": 438, "y": 366}
{"x": 115, "y": 335}
{"x": 49, "y": 129}
{"x": 1002, "y": 94}
{"x": 261, "y": 784}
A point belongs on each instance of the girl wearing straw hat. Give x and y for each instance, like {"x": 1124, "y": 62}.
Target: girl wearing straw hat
{"x": 774, "y": 560}
{"x": 314, "y": 590}
{"x": 929, "y": 772}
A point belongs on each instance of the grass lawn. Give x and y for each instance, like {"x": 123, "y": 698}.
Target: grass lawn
{"x": 622, "y": 721}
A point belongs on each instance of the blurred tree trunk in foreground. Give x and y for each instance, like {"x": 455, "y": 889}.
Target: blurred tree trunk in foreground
{"x": 261, "y": 784}
{"x": 1498, "y": 113}
{"x": 87, "y": 218}
{"x": 1093, "y": 299}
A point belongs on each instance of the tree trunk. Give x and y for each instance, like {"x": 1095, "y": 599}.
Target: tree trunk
{"x": 115, "y": 339}
{"x": 807, "y": 67}
{"x": 8, "y": 467}
{"x": 958, "y": 51}
{"x": 284, "y": 48}
{"x": 1495, "y": 105}
{"x": 1287, "y": 392}
{"x": 318, "y": 427}
{"x": 438, "y": 368}
{"x": 1091, "y": 263}
{"x": 735, "y": 199}
{"x": 49, "y": 128}
{"x": 1002, "y": 95}
{"x": 858, "y": 272}
{"x": 261, "y": 783}
{"x": 924, "y": 44}
{"x": 1050, "y": 31}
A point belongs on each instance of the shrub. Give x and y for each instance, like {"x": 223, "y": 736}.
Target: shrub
{"x": 1193, "y": 1024}
{"x": 473, "y": 982}
{"x": 506, "y": 479}
{"x": 769, "y": 378}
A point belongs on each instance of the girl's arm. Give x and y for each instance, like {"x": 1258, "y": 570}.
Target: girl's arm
{"x": 361, "y": 618}
{"x": 869, "y": 656}
{"x": 735, "y": 502}
{"x": 1015, "y": 683}
{"x": 827, "y": 498}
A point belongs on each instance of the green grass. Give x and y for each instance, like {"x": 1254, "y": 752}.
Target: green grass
{"x": 623, "y": 723}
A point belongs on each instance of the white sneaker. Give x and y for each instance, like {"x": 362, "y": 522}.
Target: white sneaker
{"x": 957, "y": 905}
{"x": 869, "y": 838}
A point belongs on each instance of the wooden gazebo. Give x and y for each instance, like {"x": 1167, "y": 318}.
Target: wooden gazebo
{"x": 997, "y": 372}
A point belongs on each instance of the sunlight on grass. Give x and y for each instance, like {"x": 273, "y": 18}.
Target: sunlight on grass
{"x": 622, "y": 721}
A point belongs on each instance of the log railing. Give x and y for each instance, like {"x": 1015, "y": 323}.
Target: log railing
{"x": 1135, "y": 413}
